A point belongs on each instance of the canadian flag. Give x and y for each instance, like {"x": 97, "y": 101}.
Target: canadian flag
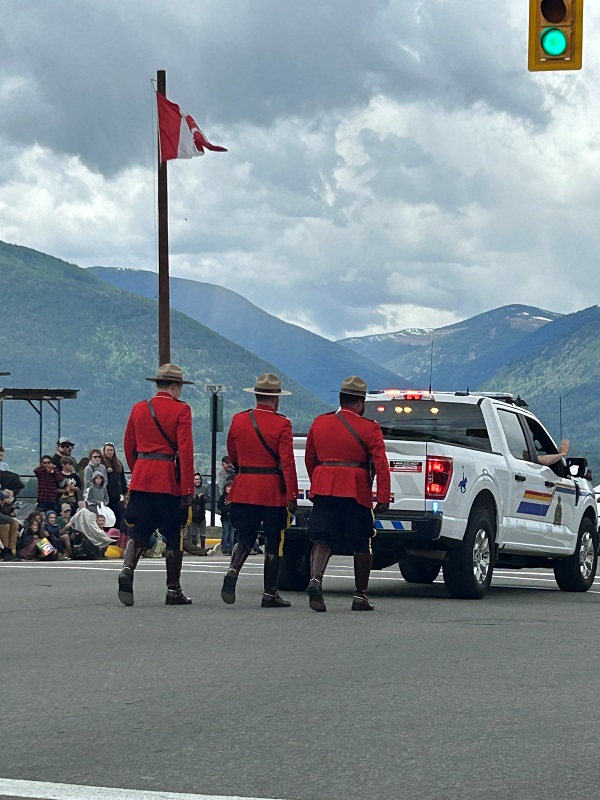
{"x": 178, "y": 134}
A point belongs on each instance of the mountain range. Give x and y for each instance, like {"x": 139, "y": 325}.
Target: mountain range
{"x": 69, "y": 327}
{"x": 505, "y": 349}
{"x": 318, "y": 364}
{"x": 456, "y": 356}
{"x": 550, "y": 360}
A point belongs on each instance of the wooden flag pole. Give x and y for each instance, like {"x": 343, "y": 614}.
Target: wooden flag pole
{"x": 164, "y": 313}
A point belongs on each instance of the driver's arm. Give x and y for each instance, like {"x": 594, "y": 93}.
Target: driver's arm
{"x": 548, "y": 460}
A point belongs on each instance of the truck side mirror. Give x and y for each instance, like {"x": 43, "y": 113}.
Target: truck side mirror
{"x": 577, "y": 467}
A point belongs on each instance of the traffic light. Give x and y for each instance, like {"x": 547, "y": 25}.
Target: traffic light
{"x": 555, "y": 34}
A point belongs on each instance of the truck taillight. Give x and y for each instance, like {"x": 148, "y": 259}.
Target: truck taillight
{"x": 438, "y": 477}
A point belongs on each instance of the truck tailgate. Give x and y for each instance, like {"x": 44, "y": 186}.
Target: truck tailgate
{"x": 407, "y": 462}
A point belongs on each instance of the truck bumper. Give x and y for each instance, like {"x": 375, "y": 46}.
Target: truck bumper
{"x": 398, "y": 527}
{"x": 407, "y": 527}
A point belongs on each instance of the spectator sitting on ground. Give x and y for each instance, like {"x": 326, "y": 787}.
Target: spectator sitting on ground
{"x": 95, "y": 465}
{"x": 60, "y": 541}
{"x": 64, "y": 447}
{"x": 71, "y": 491}
{"x": 49, "y": 481}
{"x": 3, "y": 464}
{"x": 9, "y": 526}
{"x": 65, "y": 516}
{"x": 114, "y": 533}
{"x": 27, "y": 542}
{"x": 96, "y": 493}
{"x": 88, "y": 539}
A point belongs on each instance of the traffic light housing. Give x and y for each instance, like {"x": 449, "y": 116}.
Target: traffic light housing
{"x": 555, "y": 35}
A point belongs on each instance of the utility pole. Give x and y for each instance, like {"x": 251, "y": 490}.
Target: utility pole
{"x": 216, "y": 426}
{"x": 164, "y": 313}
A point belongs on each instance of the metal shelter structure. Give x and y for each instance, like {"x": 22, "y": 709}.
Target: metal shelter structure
{"x": 36, "y": 399}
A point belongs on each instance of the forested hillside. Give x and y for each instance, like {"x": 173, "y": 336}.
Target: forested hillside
{"x": 66, "y": 328}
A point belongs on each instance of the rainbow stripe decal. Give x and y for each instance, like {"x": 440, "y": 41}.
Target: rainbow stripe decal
{"x": 538, "y": 503}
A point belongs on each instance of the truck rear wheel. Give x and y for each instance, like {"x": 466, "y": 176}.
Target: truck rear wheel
{"x": 294, "y": 573}
{"x": 468, "y": 570}
{"x": 577, "y": 572}
{"x": 414, "y": 571}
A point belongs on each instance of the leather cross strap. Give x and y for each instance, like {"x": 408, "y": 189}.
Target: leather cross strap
{"x": 277, "y": 469}
{"x": 345, "y": 422}
{"x": 169, "y": 441}
{"x": 269, "y": 450}
{"x": 164, "y": 434}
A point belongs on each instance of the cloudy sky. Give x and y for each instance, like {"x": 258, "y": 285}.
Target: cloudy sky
{"x": 391, "y": 163}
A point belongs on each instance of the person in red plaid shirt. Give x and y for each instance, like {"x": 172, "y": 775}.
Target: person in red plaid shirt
{"x": 49, "y": 481}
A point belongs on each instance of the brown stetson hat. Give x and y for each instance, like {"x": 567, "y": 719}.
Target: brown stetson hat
{"x": 267, "y": 384}
{"x": 354, "y": 385}
{"x": 169, "y": 372}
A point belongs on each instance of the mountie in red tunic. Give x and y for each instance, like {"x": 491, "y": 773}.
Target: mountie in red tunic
{"x": 329, "y": 440}
{"x": 142, "y": 436}
{"x": 246, "y": 450}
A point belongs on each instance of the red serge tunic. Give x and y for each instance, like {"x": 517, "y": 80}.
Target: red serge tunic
{"x": 330, "y": 440}
{"x": 142, "y": 436}
{"x": 246, "y": 450}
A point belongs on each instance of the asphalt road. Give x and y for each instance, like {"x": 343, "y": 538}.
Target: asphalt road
{"x": 427, "y": 697}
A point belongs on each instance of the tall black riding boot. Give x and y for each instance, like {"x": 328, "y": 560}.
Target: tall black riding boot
{"x": 271, "y": 597}
{"x": 175, "y": 597}
{"x": 362, "y": 570}
{"x": 132, "y": 554}
{"x": 319, "y": 558}
{"x": 238, "y": 558}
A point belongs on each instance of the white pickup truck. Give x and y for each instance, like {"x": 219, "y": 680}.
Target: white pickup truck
{"x": 468, "y": 494}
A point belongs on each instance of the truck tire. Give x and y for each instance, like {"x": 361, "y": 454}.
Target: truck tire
{"x": 577, "y": 572}
{"x": 468, "y": 570}
{"x": 414, "y": 571}
{"x": 294, "y": 573}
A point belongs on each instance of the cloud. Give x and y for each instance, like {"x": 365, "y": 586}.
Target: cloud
{"x": 83, "y": 69}
{"x": 389, "y": 164}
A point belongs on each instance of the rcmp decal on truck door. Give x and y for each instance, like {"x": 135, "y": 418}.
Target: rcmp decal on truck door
{"x": 538, "y": 503}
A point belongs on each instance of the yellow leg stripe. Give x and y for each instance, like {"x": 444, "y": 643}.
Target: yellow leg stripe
{"x": 288, "y": 522}
{"x": 281, "y": 541}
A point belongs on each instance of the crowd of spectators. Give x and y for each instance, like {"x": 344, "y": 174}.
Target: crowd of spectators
{"x": 80, "y": 508}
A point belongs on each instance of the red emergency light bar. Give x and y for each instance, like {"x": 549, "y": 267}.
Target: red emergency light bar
{"x": 407, "y": 394}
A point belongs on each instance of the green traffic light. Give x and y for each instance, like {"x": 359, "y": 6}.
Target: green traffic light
{"x": 553, "y": 41}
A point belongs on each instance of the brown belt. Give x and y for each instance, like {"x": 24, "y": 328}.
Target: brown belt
{"x": 258, "y": 470}
{"x": 355, "y": 464}
{"x": 156, "y": 456}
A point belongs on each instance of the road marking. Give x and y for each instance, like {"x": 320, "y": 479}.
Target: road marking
{"x": 67, "y": 791}
{"x": 255, "y": 569}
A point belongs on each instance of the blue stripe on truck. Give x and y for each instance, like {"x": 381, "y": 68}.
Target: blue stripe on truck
{"x": 392, "y": 525}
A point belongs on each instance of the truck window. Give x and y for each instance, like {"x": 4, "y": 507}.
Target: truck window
{"x": 544, "y": 445}
{"x": 430, "y": 420}
{"x": 515, "y": 436}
